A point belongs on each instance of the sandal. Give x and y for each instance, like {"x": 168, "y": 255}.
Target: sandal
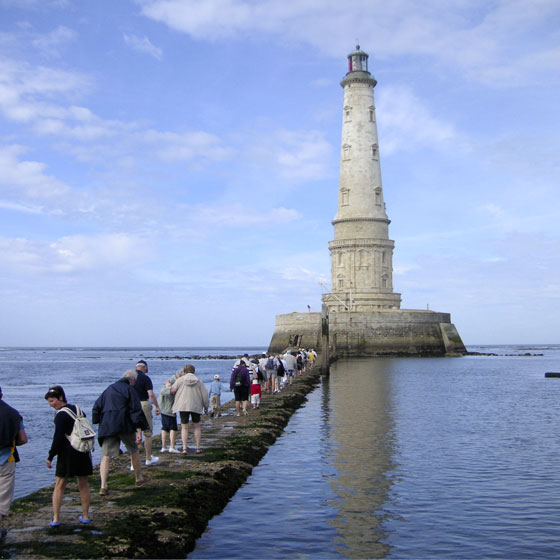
{"x": 54, "y": 523}
{"x": 84, "y": 521}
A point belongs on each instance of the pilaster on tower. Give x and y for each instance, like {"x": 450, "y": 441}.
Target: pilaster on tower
{"x": 361, "y": 252}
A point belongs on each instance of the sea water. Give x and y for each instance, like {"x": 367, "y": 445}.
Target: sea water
{"x": 409, "y": 458}
{"x": 84, "y": 373}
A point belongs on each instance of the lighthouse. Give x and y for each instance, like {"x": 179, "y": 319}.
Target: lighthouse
{"x": 361, "y": 252}
{"x": 362, "y": 315}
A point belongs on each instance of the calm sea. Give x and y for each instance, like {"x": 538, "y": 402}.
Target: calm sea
{"x": 389, "y": 458}
{"x": 409, "y": 458}
{"x": 27, "y": 373}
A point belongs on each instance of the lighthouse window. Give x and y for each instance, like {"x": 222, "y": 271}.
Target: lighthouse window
{"x": 372, "y": 113}
{"x": 344, "y": 197}
{"x": 374, "y": 151}
{"x": 384, "y": 281}
{"x": 378, "y": 197}
{"x": 341, "y": 283}
{"x": 347, "y": 114}
{"x": 346, "y": 151}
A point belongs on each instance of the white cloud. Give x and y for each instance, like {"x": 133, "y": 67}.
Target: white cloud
{"x": 187, "y": 146}
{"x": 73, "y": 254}
{"x": 293, "y": 155}
{"x": 499, "y": 43}
{"x": 407, "y": 123}
{"x": 27, "y": 178}
{"x": 27, "y": 209}
{"x": 26, "y": 91}
{"x": 50, "y": 43}
{"x": 143, "y": 45}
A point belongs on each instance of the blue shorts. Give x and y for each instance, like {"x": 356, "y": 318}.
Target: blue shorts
{"x": 168, "y": 423}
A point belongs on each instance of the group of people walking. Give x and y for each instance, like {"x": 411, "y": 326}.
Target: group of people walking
{"x": 269, "y": 374}
{"x": 124, "y": 415}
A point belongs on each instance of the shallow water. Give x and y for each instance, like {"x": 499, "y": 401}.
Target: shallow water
{"x": 27, "y": 373}
{"x": 409, "y": 458}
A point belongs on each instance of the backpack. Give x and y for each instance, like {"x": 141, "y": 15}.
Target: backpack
{"x": 238, "y": 377}
{"x": 269, "y": 364}
{"x": 281, "y": 369}
{"x": 82, "y": 437}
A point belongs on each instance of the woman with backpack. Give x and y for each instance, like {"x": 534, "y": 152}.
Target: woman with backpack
{"x": 239, "y": 383}
{"x": 70, "y": 462}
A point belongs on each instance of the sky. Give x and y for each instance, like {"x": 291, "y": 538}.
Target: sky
{"x": 169, "y": 168}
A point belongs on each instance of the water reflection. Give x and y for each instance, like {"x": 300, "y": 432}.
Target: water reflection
{"x": 358, "y": 397}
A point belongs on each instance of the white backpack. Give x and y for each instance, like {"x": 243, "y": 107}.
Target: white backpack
{"x": 82, "y": 437}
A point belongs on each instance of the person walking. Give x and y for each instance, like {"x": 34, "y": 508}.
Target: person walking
{"x": 145, "y": 390}
{"x": 239, "y": 383}
{"x": 119, "y": 415}
{"x": 191, "y": 401}
{"x": 215, "y": 395}
{"x": 168, "y": 417}
{"x": 70, "y": 462}
{"x": 12, "y": 435}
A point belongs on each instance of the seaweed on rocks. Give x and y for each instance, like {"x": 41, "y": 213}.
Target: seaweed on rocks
{"x": 164, "y": 518}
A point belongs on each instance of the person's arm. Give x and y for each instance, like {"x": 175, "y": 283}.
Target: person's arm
{"x": 153, "y": 398}
{"x": 61, "y": 423}
{"x": 21, "y": 437}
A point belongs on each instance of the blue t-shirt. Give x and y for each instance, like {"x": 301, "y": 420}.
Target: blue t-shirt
{"x": 215, "y": 388}
{"x": 7, "y": 452}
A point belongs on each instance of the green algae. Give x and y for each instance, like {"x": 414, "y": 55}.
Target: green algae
{"x": 164, "y": 518}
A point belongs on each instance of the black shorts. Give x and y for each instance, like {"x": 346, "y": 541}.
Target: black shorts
{"x": 241, "y": 393}
{"x": 185, "y": 417}
{"x": 168, "y": 423}
{"x": 70, "y": 463}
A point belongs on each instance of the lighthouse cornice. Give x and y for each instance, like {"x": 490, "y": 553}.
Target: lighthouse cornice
{"x": 358, "y": 77}
{"x": 360, "y": 219}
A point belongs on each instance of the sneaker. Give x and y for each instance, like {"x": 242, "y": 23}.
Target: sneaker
{"x": 132, "y": 468}
{"x": 152, "y": 461}
{"x": 163, "y": 450}
{"x": 103, "y": 491}
{"x": 173, "y": 450}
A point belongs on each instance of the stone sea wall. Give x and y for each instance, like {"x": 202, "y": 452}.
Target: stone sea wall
{"x": 402, "y": 332}
{"x": 164, "y": 518}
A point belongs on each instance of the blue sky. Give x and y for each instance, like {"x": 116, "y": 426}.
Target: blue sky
{"x": 169, "y": 168}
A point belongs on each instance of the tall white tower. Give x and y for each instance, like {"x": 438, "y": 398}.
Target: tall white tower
{"x": 361, "y": 252}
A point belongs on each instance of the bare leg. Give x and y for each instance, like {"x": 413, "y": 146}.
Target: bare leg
{"x": 57, "y": 497}
{"x": 245, "y": 403}
{"x": 238, "y": 407}
{"x": 164, "y": 439}
{"x": 104, "y": 470}
{"x": 184, "y": 435}
{"x": 135, "y": 459}
{"x": 148, "y": 447}
{"x": 85, "y": 495}
{"x": 172, "y": 438}
{"x": 197, "y": 435}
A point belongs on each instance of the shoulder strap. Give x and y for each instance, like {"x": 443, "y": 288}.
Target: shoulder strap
{"x": 71, "y": 412}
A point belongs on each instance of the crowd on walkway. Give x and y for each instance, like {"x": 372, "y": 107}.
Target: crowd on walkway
{"x": 124, "y": 415}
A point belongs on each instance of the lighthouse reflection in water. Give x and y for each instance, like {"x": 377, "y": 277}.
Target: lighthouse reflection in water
{"x": 321, "y": 488}
{"x": 409, "y": 458}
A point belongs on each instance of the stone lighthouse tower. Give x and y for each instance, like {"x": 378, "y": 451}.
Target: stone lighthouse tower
{"x": 361, "y": 252}
{"x": 362, "y": 316}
